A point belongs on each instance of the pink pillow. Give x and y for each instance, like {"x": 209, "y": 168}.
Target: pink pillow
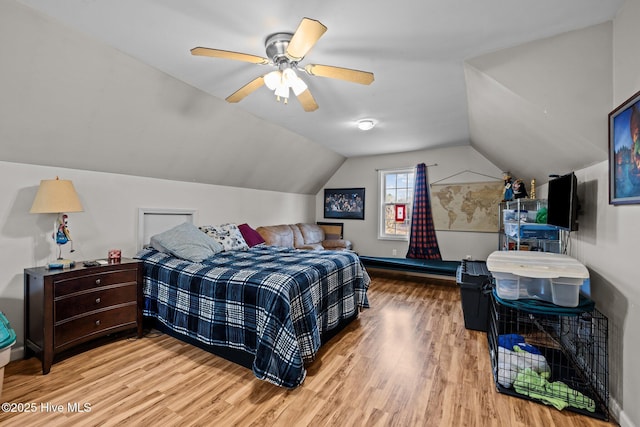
{"x": 251, "y": 236}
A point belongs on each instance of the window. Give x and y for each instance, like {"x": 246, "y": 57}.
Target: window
{"x": 396, "y": 187}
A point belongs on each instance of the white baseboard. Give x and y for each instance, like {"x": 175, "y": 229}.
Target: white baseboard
{"x": 17, "y": 353}
{"x": 619, "y": 415}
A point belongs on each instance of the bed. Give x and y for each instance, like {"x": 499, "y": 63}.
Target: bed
{"x": 266, "y": 308}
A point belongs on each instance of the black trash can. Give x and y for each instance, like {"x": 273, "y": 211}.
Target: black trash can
{"x": 475, "y": 288}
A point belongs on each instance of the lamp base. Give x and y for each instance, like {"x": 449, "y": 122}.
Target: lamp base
{"x": 60, "y": 264}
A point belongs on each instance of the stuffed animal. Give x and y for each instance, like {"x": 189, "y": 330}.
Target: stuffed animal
{"x": 519, "y": 191}
{"x": 507, "y": 193}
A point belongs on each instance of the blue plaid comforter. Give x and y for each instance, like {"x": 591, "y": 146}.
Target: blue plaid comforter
{"x": 275, "y": 303}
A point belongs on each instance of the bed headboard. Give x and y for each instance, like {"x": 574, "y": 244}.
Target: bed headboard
{"x": 154, "y": 221}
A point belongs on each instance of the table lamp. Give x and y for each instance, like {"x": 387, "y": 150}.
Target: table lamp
{"x": 58, "y": 196}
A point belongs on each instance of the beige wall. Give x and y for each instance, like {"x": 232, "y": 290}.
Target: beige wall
{"x": 109, "y": 220}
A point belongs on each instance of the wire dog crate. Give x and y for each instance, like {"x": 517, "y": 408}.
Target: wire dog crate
{"x": 559, "y": 360}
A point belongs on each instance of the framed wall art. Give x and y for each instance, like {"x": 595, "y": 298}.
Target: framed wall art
{"x": 624, "y": 152}
{"x": 344, "y": 203}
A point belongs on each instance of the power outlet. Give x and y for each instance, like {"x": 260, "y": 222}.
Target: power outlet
{"x": 394, "y": 252}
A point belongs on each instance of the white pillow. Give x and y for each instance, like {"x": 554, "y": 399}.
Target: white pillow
{"x": 186, "y": 241}
{"x": 228, "y": 235}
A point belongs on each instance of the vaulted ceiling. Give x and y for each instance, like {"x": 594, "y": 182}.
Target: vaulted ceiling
{"x": 435, "y": 63}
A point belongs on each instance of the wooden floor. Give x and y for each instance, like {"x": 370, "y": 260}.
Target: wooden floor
{"x": 407, "y": 361}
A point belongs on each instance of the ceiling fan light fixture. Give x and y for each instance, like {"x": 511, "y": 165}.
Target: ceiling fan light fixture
{"x": 285, "y": 51}
{"x": 281, "y": 81}
{"x": 297, "y": 85}
{"x": 288, "y": 74}
{"x": 272, "y": 80}
{"x": 366, "y": 124}
{"x": 282, "y": 91}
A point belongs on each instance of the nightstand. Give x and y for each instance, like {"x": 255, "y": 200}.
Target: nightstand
{"x": 64, "y": 308}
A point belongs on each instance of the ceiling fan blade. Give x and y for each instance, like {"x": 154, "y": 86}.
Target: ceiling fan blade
{"x": 227, "y": 54}
{"x": 306, "y": 99}
{"x": 305, "y": 37}
{"x": 247, "y": 89}
{"x": 355, "y": 76}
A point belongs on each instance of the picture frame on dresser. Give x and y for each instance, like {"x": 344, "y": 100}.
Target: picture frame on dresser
{"x": 344, "y": 203}
{"x": 624, "y": 152}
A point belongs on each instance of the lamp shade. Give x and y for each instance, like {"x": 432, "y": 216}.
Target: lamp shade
{"x": 272, "y": 80}
{"x": 56, "y": 196}
{"x": 282, "y": 91}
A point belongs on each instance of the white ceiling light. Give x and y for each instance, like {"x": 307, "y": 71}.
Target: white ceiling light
{"x": 280, "y": 81}
{"x": 366, "y": 124}
{"x": 295, "y": 83}
{"x": 272, "y": 79}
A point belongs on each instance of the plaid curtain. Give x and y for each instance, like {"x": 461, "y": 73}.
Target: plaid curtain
{"x": 422, "y": 241}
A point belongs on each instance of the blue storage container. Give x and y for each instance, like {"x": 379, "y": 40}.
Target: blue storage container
{"x": 539, "y": 231}
{"x": 7, "y": 339}
{"x": 7, "y": 334}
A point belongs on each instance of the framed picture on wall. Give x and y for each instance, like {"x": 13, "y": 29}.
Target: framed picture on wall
{"x": 624, "y": 152}
{"x": 344, "y": 203}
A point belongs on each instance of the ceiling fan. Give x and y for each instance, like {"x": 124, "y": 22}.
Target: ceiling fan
{"x": 285, "y": 51}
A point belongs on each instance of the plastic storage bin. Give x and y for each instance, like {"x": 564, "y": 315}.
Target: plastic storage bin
{"x": 475, "y": 306}
{"x": 540, "y": 275}
{"x": 514, "y": 215}
{"x": 527, "y": 230}
{"x": 475, "y": 287}
{"x": 7, "y": 340}
{"x": 539, "y": 231}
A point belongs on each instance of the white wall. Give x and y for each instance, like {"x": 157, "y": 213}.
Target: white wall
{"x": 607, "y": 242}
{"x": 363, "y": 172}
{"x": 110, "y": 216}
{"x": 547, "y": 96}
{"x": 70, "y": 101}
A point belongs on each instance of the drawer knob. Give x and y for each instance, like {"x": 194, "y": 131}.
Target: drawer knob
{"x": 97, "y": 323}
{"x": 97, "y": 281}
{"x": 98, "y": 300}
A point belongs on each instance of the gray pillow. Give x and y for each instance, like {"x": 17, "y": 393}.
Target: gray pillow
{"x": 186, "y": 241}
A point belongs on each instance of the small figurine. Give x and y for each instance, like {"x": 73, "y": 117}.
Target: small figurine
{"x": 533, "y": 189}
{"x": 507, "y": 193}
{"x": 519, "y": 191}
{"x": 62, "y": 235}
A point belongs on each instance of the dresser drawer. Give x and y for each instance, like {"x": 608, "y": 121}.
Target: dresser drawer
{"x": 82, "y": 283}
{"x": 95, "y": 324}
{"x": 98, "y": 299}
{"x": 67, "y": 308}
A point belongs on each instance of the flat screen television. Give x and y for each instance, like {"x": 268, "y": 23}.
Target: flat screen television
{"x": 562, "y": 202}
